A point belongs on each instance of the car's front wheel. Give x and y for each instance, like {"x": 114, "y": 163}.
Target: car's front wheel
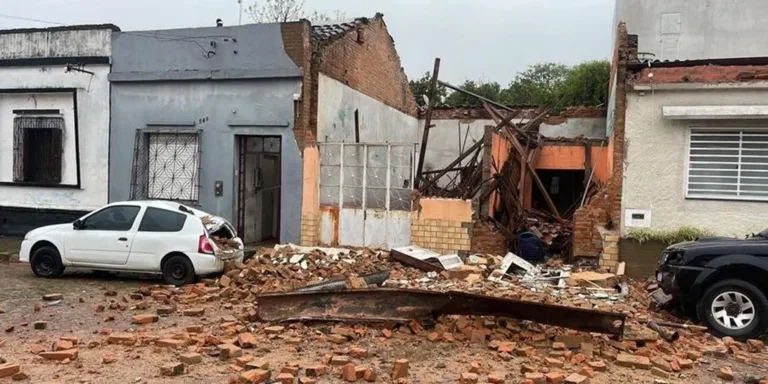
{"x": 46, "y": 262}
{"x": 734, "y": 308}
{"x": 178, "y": 270}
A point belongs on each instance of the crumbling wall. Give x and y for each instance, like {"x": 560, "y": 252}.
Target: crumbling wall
{"x": 297, "y": 47}
{"x": 610, "y": 248}
{"x": 442, "y": 225}
{"x": 604, "y": 209}
{"x": 486, "y": 239}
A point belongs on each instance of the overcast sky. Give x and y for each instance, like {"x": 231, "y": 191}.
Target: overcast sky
{"x": 490, "y": 40}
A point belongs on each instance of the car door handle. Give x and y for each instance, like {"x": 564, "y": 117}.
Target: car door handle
{"x": 122, "y": 239}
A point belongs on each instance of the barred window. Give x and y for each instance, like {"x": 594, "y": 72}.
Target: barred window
{"x": 728, "y": 163}
{"x": 38, "y": 149}
{"x": 166, "y": 166}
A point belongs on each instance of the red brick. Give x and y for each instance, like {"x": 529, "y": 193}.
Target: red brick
{"x": 307, "y": 380}
{"x": 725, "y": 373}
{"x": 468, "y": 378}
{"x": 255, "y": 364}
{"x": 370, "y": 375}
{"x": 108, "y": 359}
{"x": 229, "y": 351}
{"x": 62, "y": 345}
{"x": 358, "y": 353}
{"x": 536, "y": 377}
{"x": 633, "y": 361}
{"x": 273, "y": 330}
{"x": 170, "y": 343}
{"x": 598, "y": 366}
{"x": 555, "y": 377}
{"x": 285, "y": 378}
{"x": 193, "y": 312}
{"x": 144, "y": 319}
{"x": 9, "y": 369}
{"x": 70, "y": 354}
{"x": 122, "y": 338}
{"x": 400, "y": 369}
{"x": 348, "y": 372}
{"x": 246, "y": 340}
{"x": 315, "y": 370}
{"x": 191, "y": 358}
{"x": 575, "y": 378}
{"x": 587, "y": 371}
{"x": 255, "y": 376}
{"x": 339, "y": 360}
{"x": 195, "y": 328}
{"x": 496, "y": 378}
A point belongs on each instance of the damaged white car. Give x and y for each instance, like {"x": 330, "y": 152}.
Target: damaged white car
{"x": 136, "y": 236}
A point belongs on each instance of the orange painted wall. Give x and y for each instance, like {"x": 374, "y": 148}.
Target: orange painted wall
{"x": 572, "y": 157}
{"x": 310, "y": 203}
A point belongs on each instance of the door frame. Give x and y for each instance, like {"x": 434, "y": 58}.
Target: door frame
{"x": 244, "y": 148}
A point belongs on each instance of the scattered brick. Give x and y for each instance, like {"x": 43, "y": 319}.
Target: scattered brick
{"x": 122, "y": 338}
{"x": 658, "y": 372}
{"x": 293, "y": 370}
{"x": 339, "y": 360}
{"x": 660, "y": 363}
{"x": 554, "y": 377}
{"x": 633, "y": 361}
{"x": 173, "y": 369}
{"x": 575, "y": 378}
{"x": 108, "y": 359}
{"x": 69, "y": 354}
{"x": 62, "y": 345}
{"x": 193, "y": 312}
{"x": 400, "y": 369}
{"x": 36, "y": 349}
{"x": 387, "y": 333}
{"x": 554, "y": 362}
{"x": 496, "y": 378}
{"x": 20, "y": 376}
{"x": 165, "y": 310}
{"x": 315, "y": 370}
{"x": 358, "y": 353}
{"x": 255, "y": 376}
{"x": 536, "y": 377}
{"x": 9, "y": 370}
{"x": 468, "y": 378}
{"x": 348, "y": 372}
{"x": 144, "y": 319}
{"x": 528, "y": 368}
{"x": 40, "y": 324}
{"x": 53, "y": 297}
{"x": 285, "y": 378}
{"x": 726, "y": 374}
{"x": 191, "y": 358}
{"x": 337, "y": 339}
{"x": 195, "y": 328}
{"x": 558, "y": 345}
{"x": 229, "y": 351}
{"x": 307, "y": 380}
{"x": 257, "y": 364}
{"x": 274, "y": 329}
{"x": 524, "y": 351}
{"x": 246, "y": 340}
{"x": 170, "y": 343}
{"x": 433, "y": 336}
{"x": 685, "y": 363}
{"x": 588, "y": 372}
{"x": 370, "y": 375}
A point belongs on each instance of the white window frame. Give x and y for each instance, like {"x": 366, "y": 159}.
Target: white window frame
{"x": 742, "y": 131}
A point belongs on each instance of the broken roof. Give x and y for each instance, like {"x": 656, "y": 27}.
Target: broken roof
{"x": 332, "y": 29}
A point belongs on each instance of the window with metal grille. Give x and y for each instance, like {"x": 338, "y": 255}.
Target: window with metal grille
{"x": 38, "y": 149}
{"x": 166, "y": 166}
{"x": 728, "y": 164}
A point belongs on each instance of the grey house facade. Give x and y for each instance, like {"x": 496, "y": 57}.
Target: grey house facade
{"x": 205, "y": 116}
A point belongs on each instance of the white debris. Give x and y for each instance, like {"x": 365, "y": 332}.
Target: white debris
{"x": 295, "y": 259}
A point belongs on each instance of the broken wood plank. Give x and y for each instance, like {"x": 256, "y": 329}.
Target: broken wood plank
{"x": 427, "y": 121}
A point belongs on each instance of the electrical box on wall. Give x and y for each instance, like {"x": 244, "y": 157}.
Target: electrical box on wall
{"x": 637, "y": 218}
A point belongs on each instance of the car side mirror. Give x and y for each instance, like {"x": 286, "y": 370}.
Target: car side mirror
{"x": 77, "y": 224}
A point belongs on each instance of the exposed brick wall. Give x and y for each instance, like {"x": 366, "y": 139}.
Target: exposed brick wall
{"x": 486, "y": 239}
{"x": 610, "y": 249}
{"x": 310, "y": 229}
{"x": 442, "y": 236}
{"x": 366, "y": 60}
{"x": 296, "y": 37}
{"x": 604, "y": 209}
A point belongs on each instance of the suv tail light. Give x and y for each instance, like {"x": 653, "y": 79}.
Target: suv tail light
{"x": 204, "y": 246}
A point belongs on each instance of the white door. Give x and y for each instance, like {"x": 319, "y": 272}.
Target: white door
{"x": 104, "y": 237}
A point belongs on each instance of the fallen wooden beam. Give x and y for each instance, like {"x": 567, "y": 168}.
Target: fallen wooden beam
{"x": 402, "y": 305}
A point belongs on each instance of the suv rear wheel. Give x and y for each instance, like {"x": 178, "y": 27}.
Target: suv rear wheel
{"x": 734, "y": 308}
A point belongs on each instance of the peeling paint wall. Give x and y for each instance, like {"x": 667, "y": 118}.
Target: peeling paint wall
{"x": 379, "y": 123}
{"x": 447, "y": 139}
{"x": 656, "y": 163}
{"x": 593, "y": 128}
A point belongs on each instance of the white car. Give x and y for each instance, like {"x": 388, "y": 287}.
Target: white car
{"x": 136, "y": 236}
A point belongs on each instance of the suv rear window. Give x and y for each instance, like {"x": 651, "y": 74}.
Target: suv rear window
{"x": 160, "y": 220}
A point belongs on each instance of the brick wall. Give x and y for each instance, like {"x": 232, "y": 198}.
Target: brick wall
{"x": 442, "y": 236}
{"x": 367, "y": 61}
{"x": 296, "y": 37}
{"x": 604, "y": 209}
{"x": 486, "y": 239}
{"x": 310, "y": 229}
{"x": 610, "y": 245}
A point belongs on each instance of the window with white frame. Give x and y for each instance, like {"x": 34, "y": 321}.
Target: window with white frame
{"x": 728, "y": 163}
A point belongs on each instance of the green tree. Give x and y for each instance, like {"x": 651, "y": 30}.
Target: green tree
{"x": 420, "y": 90}
{"x": 586, "y": 84}
{"x": 539, "y": 85}
{"x": 489, "y": 90}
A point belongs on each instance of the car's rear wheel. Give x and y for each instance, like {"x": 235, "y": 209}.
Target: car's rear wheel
{"x": 734, "y": 308}
{"x": 46, "y": 262}
{"x": 178, "y": 270}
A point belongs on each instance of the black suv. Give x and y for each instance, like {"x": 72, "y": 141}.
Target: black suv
{"x": 721, "y": 281}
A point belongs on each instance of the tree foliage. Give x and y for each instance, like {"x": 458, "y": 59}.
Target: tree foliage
{"x": 420, "y": 90}
{"x": 545, "y": 84}
{"x": 282, "y": 11}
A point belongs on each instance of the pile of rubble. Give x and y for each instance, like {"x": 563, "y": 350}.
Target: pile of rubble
{"x": 544, "y": 354}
